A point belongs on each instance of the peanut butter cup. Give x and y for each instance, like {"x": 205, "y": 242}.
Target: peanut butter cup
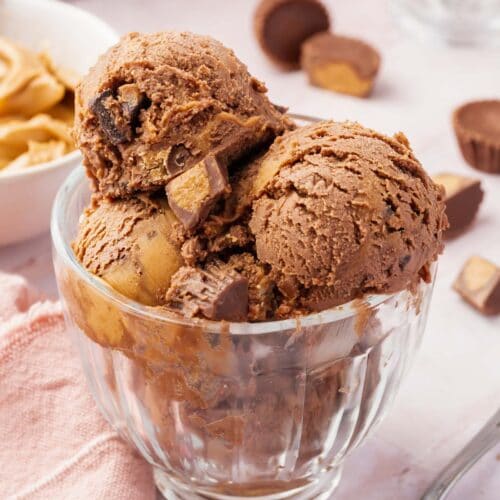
{"x": 339, "y": 63}
{"x": 477, "y": 127}
{"x": 281, "y": 26}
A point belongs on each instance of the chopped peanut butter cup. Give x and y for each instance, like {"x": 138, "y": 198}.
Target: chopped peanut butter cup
{"x": 479, "y": 284}
{"x": 477, "y": 127}
{"x": 218, "y": 292}
{"x": 193, "y": 193}
{"x": 463, "y": 196}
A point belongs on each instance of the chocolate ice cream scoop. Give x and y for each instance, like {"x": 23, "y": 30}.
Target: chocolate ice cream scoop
{"x": 156, "y": 105}
{"x": 341, "y": 211}
{"x": 130, "y": 245}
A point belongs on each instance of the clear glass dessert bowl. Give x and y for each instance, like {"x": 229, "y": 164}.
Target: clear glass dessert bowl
{"x": 235, "y": 410}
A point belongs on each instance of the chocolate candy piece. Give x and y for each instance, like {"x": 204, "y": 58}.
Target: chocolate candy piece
{"x": 132, "y": 101}
{"x": 193, "y": 193}
{"x": 218, "y": 293}
{"x": 341, "y": 64}
{"x": 479, "y": 284}
{"x": 108, "y": 112}
{"x": 118, "y": 115}
{"x": 282, "y": 25}
{"x": 477, "y": 127}
{"x": 178, "y": 156}
{"x": 463, "y": 198}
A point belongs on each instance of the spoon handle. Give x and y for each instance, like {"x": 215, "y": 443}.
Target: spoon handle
{"x": 306, "y": 118}
{"x": 483, "y": 441}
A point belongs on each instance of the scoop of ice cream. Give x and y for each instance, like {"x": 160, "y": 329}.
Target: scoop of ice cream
{"x": 341, "y": 211}
{"x": 130, "y": 245}
{"x": 156, "y": 105}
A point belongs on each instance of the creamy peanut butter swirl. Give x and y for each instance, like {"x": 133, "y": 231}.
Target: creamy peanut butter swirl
{"x": 36, "y": 108}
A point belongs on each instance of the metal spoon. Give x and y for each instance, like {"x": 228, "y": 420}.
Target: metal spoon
{"x": 483, "y": 441}
{"x": 306, "y": 118}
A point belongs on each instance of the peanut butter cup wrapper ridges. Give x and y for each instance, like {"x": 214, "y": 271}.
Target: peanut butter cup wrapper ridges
{"x": 479, "y": 145}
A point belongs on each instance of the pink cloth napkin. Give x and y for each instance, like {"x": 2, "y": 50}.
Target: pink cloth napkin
{"x": 54, "y": 444}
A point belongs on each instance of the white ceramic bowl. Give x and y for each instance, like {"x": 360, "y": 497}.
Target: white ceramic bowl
{"x": 74, "y": 39}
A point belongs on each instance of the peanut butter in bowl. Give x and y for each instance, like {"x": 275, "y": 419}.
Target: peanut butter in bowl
{"x": 36, "y": 108}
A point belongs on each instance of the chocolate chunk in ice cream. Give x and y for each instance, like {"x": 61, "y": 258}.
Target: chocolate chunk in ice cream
{"x": 479, "y": 284}
{"x": 157, "y": 104}
{"x": 340, "y": 63}
{"x": 117, "y": 115}
{"x": 282, "y": 25}
{"x": 217, "y": 292}
{"x": 177, "y": 159}
{"x": 111, "y": 121}
{"x": 463, "y": 196}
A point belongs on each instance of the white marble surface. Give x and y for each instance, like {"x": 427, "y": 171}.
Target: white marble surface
{"x": 455, "y": 383}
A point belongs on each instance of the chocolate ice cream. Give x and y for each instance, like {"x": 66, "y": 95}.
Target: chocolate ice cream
{"x": 326, "y": 214}
{"x": 130, "y": 244}
{"x": 330, "y": 213}
{"x": 348, "y": 212}
{"x": 235, "y": 229}
{"x": 156, "y": 105}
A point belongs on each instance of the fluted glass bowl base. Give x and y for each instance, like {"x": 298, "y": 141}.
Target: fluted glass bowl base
{"x": 321, "y": 488}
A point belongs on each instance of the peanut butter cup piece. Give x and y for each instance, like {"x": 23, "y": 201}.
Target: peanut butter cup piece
{"x": 109, "y": 115}
{"x": 117, "y": 112}
{"x": 193, "y": 193}
{"x": 463, "y": 196}
{"x": 282, "y": 25}
{"x": 479, "y": 284}
{"x": 217, "y": 292}
{"x": 339, "y": 63}
{"x": 477, "y": 127}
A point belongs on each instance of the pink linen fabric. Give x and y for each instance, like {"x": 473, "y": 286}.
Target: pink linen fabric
{"x": 54, "y": 444}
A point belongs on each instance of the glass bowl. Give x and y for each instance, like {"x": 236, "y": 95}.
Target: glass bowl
{"x": 235, "y": 410}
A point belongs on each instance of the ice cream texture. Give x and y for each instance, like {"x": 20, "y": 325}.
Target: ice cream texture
{"x": 129, "y": 245}
{"x": 346, "y": 212}
{"x": 156, "y": 105}
{"x": 240, "y": 229}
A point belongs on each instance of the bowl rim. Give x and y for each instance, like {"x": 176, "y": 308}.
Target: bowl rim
{"x": 74, "y": 155}
{"x": 63, "y": 250}
{"x": 39, "y": 168}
